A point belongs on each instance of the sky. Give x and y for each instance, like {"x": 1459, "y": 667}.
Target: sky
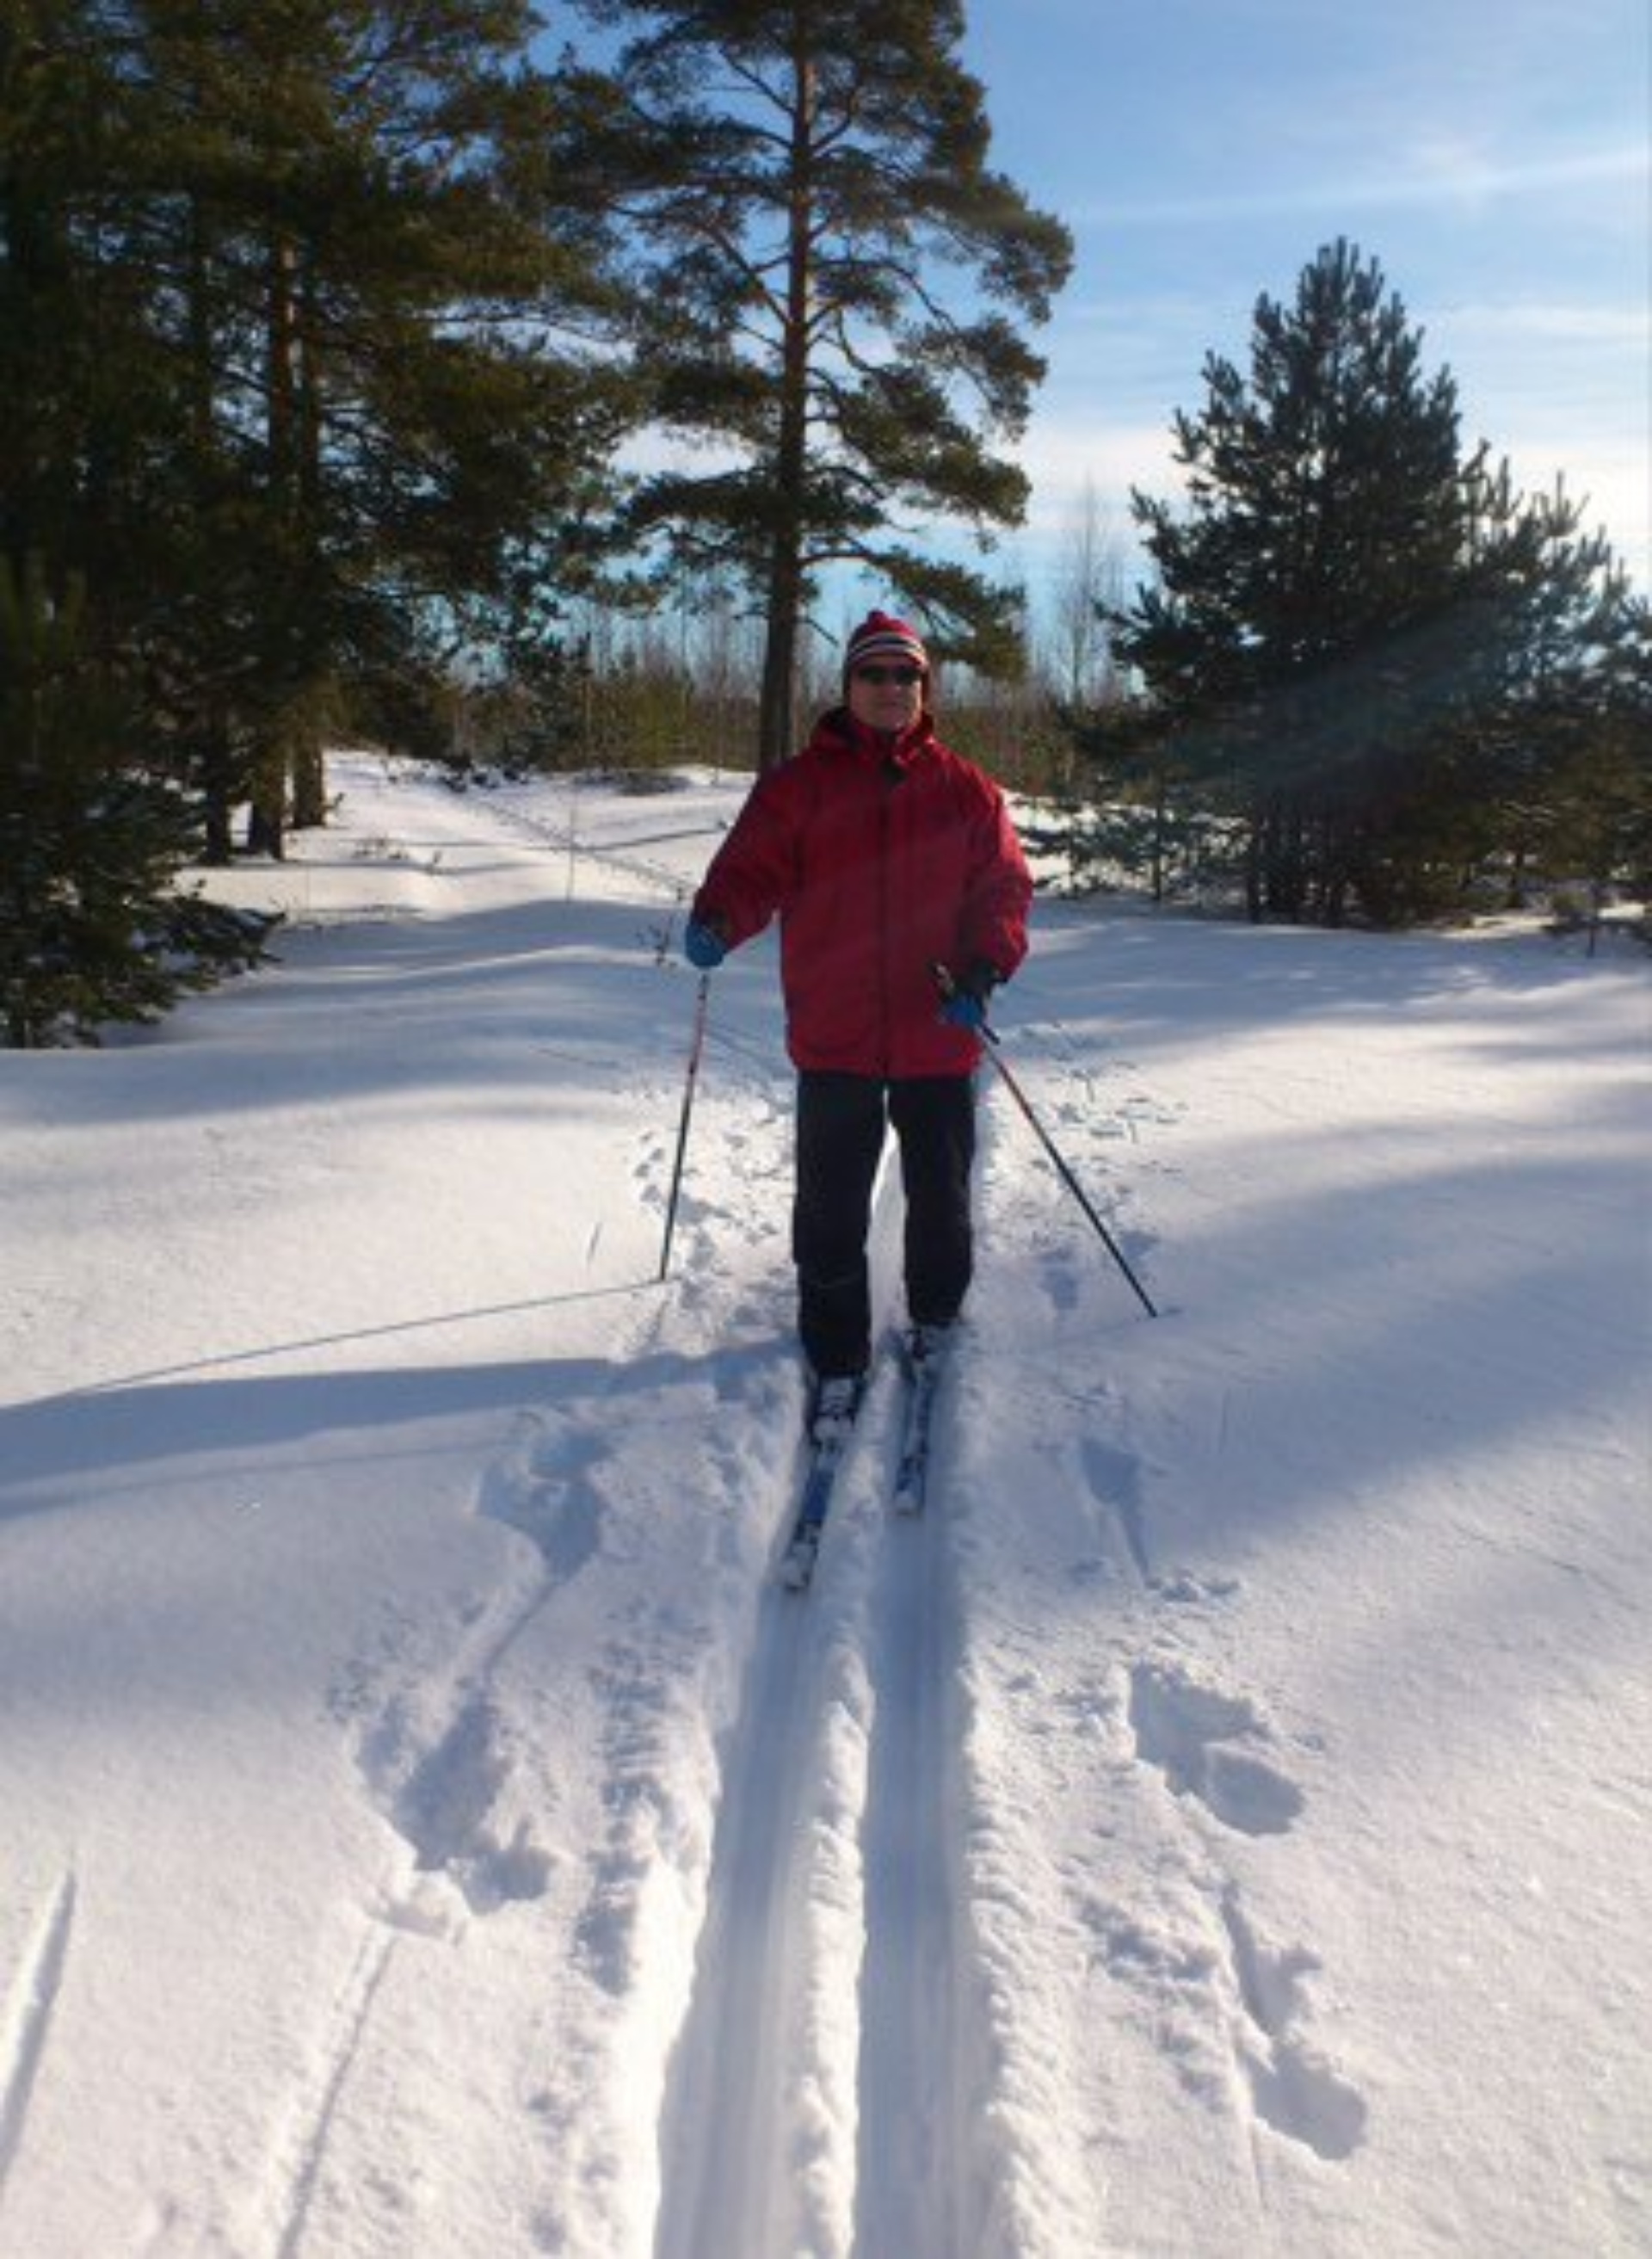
{"x": 1491, "y": 155}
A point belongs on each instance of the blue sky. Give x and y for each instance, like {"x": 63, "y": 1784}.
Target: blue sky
{"x": 1492, "y": 154}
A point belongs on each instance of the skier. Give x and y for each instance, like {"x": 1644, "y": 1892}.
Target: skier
{"x": 886, "y": 855}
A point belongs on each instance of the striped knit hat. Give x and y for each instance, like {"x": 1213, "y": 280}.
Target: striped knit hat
{"x": 880, "y": 637}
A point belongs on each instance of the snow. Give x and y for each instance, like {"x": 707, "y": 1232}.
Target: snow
{"x": 1218, "y": 1824}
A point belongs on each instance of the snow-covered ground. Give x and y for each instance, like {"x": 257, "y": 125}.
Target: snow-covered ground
{"x": 1222, "y": 1824}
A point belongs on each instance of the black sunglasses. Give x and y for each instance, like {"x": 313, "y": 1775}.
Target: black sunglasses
{"x": 906, "y": 676}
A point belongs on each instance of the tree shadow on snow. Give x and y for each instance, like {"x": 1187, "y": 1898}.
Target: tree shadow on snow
{"x": 58, "y": 1452}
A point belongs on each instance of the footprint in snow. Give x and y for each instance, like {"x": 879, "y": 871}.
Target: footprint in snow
{"x": 1185, "y": 1591}
{"x": 446, "y": 1811}
{"x": 1292, "y": 2088}
{"x": 448, "y": 1792}
{"x": 1205, "y": 1744}
{"x": 548, "y": 1495}
{"x": 1114, "y": 1478}
{"x": 1060, "y": 1279}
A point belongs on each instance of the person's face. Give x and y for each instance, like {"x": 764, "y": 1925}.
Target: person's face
{"x": 886, "y": 694}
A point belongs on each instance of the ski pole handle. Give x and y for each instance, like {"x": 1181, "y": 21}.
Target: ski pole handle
{"x": 948, "y": 987}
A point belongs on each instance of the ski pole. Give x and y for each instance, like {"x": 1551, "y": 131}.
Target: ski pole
{"x": 994, "y": 1051}
{"x": 701, "y": 1001}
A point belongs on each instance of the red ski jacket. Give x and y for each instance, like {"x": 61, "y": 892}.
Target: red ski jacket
{"x": 881, "y": 860}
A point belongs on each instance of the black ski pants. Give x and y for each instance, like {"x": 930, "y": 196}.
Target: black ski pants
{"x": 842, "y": 1121}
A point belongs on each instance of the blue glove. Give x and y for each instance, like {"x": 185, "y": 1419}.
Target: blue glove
{"x": 966, "y": 994}
{"x": 963, "y": 1010}
{"x": 703, "y": 946}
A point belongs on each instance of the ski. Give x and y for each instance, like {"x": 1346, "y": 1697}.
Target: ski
{"x": 826, "y": 1454}
{"x": 922, "y": 1360}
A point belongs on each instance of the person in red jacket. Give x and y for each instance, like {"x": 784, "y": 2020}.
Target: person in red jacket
{"x": 886, "y": 855}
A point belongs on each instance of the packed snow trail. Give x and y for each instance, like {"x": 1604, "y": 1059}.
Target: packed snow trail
{"x": 759, "y": 2129}
{"x": 838, "y": 1846}
{"x": 910, "y": 2182}
{"x": 729, "y": 2156}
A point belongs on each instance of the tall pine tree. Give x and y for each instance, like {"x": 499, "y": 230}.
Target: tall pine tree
{"x": 1302, "y": 587}
{"x": 289, "y": 303}
{"x": 1348, "y": 609}
{"x": 390, "y": 429}
{"x": 832, "y": 288}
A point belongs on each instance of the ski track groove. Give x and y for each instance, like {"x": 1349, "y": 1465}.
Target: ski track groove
{"x": 721, "y": 2121}
{"x": 28, "y": 2025}
{"x": 729, "y": 2141}
{"x": 908, "y": 2144}
{"x": 727, "y": 2145}
{"x": 350, "y": 2023}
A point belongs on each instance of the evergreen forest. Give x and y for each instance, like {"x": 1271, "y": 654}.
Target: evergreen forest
{"x": 525, "y": 389}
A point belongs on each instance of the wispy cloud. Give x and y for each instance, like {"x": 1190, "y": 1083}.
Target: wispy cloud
{"x": 1594, "y": 327}
{"x": 1068, "y": 449}
{"x": 1436, "y": 172}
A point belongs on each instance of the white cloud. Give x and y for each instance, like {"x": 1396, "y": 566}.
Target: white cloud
{"x": 1435, "y": 171}
{"x": 1063, "y": 455}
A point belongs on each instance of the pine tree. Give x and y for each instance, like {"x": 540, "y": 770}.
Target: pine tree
{"x": 292, "y": 411}
{"x": 394, "y": 441}
{"x": 284, "y": 301}
{"x": 1294, "y": 633}
{"x": 1565, "y": 752}
{"x": 1349, "y": 611}
{"x": 800, "y": 177}
{"x": 94, "y": 926}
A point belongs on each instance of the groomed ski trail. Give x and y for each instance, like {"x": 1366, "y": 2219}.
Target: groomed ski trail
{"x": 811, "y": 2106}
{"x": 821, "y": 2052}
{"x": 731, "y": 2145}
{"x": 912, "y": 2148}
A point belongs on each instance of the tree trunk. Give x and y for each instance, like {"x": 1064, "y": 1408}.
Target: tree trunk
{"x": 1254, "y": 904}
{"x": 266, "y": 826}
{"x": 777, "y": 728}
{"x": 217, "y": 789}
{"x": 777, "y": 717}
{"x": 267, "y": 816}
{"x": 280, "y": 369}
{"x": 308, "y": 761}
{"x": 309, "y": 779}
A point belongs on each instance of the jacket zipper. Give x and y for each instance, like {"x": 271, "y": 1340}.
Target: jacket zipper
{"x": 887, "y": 924}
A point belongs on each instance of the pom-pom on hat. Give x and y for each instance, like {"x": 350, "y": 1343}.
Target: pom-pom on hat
{"x": 880, "y": 637}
